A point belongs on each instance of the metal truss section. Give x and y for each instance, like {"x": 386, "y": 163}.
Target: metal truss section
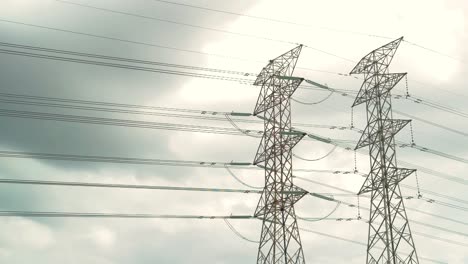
{"x": 280, "y": 241}
{"x": 378, "y": 60}
{"x": 389, "y": 239}
{"x": 284, "y": 87}
{"x": 288, "y": 141}
{"x": 395, "y": 175}
{"x": 295, "y": 192}
{"x": 283, "y": 65}
{"x": 386, "y": 83}
{"x": 372, "y": 133}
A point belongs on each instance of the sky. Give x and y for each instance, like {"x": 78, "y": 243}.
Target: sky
{"x": 336, "y": 35}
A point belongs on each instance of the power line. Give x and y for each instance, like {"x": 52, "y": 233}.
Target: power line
{"x": 347, "y": 93}
{"x": 101, "y": 103}
{"x": 147, "y": 187}
{"x": 436, "y": 194}
{"x": 111, "y": 215}
{"x": 354, "y": 194}
{"x": 414, "y": 99}
{"x": 439, "y": 228}
{"x": 323, "y": 234}
{"x": 241, "y": 182}
{"x": 148, "y": 44}
{"x": 435, "y": 237}
{"x": 135, "y": 124}
{"x": 189, "y": 74}
{"x": 313, "y": 82}
{"x": 154, "y": 45}
{"x": 426, "y": 170}
{"x": 316, "y": 159}
{"x": 367, "y": 209}
{"x": 441, "y": 239}
{"x": 205, "y": 114}
{"x": 145, "y": 43}
{"x": 124, "y": 122}
{"x": 152, "y": 187}
{"x": 127, "y": 186}
{"x": 461, "y": 133}
{"x": 107, "y": 159}
{"x": 175, "y": 22}
{"x": 356, "y": 242}
{"x": 268, "y": 19}
{"x": 436, "y": 105}
{"x": 121, "y": 59}
{"x": 252, "y": 16}
{"x": 427, "y": 150}
{"x": 417, "y": 223}
{"x": 189, "y": 128}
{"x": 435, "y": 173}
{"x": 434, "y": 51}
{"x": 124, "y": 66}
{"x": 245, "y": 132}
{"x": 313, "y": 103}
{"x": 202, "y": 115}
{"x": 139, "y": 186}
{"x": 308, "y": 219}
{"x": 202, "y": 27}
{"x": 124, "y": 186}
{"x": 211, "y": 117}
{"x": 435, "y": 152}
{"x": 429, "y": 85}
{"x": 140, "y": 161}
{"x": 237, "y": 233}
{"x": 424, "y": 149}
{"x": 86, "y": 216}
{"x": 134, "y": 67}
{"x": 418, "y": 233}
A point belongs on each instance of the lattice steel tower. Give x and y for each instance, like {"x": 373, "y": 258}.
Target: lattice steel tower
{"x": 389, "y": 240}
{"x": 279, "y": 241}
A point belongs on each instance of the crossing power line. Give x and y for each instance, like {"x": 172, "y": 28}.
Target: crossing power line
{"x": 303, "y": 25}
{"x": 205, "y": 129}
{"x": 254, "y": 36}
{"x": 110, "y": 215}
{"x": 108, "y": 61}
{"x": 414, "y": 99}
{"x": 190, "y": 128}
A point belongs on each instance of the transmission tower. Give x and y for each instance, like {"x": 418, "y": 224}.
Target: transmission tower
{"x": 279, "y": 240}
{"x": 389, "y": 239}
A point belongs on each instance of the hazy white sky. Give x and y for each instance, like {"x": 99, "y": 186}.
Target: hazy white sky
{"x": 346, "y": 29}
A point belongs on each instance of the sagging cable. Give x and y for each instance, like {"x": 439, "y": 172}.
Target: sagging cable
{"x": 237, "y": 232}
{"x": 239, "y": 180}
{"x": 321, "y": 218}
{"x": 317, "y": 159}
{"x": 245, "y": 132}
{"x": 313, "y": 103}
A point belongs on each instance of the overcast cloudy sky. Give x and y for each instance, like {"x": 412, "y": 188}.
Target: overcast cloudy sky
{"x": 346, "y": 29}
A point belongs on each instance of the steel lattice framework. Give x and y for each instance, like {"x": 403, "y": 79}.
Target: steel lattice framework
{"x": 389, "y": 239}
{"x": 279, "y": 240}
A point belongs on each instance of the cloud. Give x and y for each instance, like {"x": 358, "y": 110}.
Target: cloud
{"x": 28, "y": 235}
{"x": 438, "y": 25}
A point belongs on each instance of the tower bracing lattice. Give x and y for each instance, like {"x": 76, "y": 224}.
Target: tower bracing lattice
{"x": 279, "y": 240}
{"x": 389, "y": 239}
